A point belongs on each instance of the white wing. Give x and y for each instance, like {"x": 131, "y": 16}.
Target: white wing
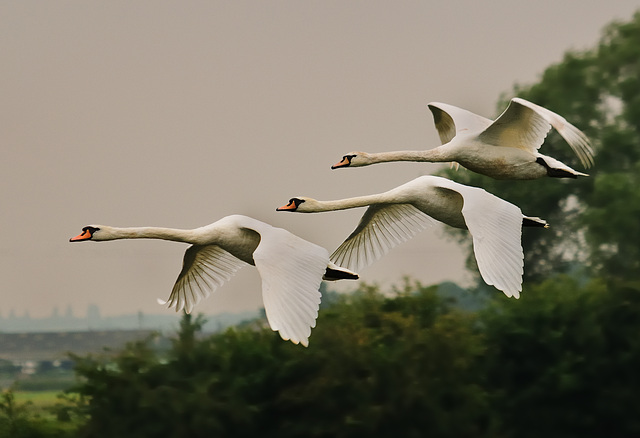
{"x": 291, "y": 270}
{"x": 496, "y": 228}
{"x": 451, "y": 120}
{"x": 381, "y": 228}
{"x": 576, "y": 138}
{"x": 204, "y": 269}
{"x": 519, "y": 126}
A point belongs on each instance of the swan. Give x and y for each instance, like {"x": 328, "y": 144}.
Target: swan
{"x": 291, "y": 268}
{"x": 399, "y": 214}
{"x": 506, "y": 148}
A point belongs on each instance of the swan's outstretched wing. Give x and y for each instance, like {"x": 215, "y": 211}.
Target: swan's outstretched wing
{"x": 578, "y": 141}
{"x": 519, "y": 126}
{"x": 381, "y": 228}
{"x": 204, "y": 269}
{"x": 496, "y": 228}
{"x": 451, "y": 120}
{"x": 291, "y": 270}
{"x": 525, "y": 125}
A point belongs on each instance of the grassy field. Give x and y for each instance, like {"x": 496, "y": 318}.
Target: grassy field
{"x": 40, "y": 401}
{"x": 38, "y": 397}
{"x": 41, "y": 416}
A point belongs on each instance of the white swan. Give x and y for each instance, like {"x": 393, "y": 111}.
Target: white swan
{"x": 291, "y": 268}
{"x": 397, "y": 215}
{"x": 506, "y": 148}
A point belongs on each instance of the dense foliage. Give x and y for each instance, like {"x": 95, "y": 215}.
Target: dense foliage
{"x": 376, "y": 365}
{"x": 560, "y": 362}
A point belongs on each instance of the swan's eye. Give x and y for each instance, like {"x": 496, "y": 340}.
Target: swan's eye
{"x": 295, "y": 201}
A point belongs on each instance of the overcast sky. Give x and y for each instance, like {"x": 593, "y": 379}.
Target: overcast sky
{"x": 167, "y": 113}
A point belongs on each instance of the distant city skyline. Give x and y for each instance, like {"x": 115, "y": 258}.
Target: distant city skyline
{"x": 93, "y": 320}
{"x": 55, "y": 312}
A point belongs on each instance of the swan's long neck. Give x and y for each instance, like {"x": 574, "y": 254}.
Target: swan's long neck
{"x": 435, "y": 155}
{"x": 344, "y": 204}
{"x": 176, "y": 235}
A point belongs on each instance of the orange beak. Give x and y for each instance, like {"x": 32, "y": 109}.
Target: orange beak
{"x": 344, "y": 163}
{"x": 85, "y": 235}
{"x": 289, "y": 207}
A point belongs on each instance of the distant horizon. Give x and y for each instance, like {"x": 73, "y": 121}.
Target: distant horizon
{"x": 90, "y": 309}
{"x": 125, "y": 321}
{"x": 93, "y": 320}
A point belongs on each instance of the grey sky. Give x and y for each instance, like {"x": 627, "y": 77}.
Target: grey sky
{"x": 179, "y": 113}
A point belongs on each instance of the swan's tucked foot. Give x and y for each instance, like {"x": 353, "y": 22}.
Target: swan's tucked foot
{"x": 534, "y": 222}
{"x": 335, "y": 272}
{"x": 559, "y": 172}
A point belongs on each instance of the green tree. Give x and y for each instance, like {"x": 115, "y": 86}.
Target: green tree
{"x": 562, "y": 361}
{"x": 14, "y": 416}
{"x": 112, "y": 391}
{"x": 559, "y": 362}
{"x": 377, "y": 365}
{"x": 593, "y": 220}
{"x": 393, "y": 364}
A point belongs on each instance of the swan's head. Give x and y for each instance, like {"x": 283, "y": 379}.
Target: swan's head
{"x": 300, "y": 204}
{"x": 93, "y": 232}
{"x": 354, "y": 159}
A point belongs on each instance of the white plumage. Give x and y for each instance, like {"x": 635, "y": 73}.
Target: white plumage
{"x": 506, "y": 148}
{"x": 291, "y": 268}
{"x": 399, "y": 214}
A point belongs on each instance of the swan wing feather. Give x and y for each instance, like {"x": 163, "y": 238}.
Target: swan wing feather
{"x": 382, "y": 227}
{"x": 204, "y": 269}
{"x": 451, "y": 120}
{"x": 576, "y": 139}
{"x": 519, "y": 126}
{"x": 291, "y": 269}
{"x": 496, "y": 228}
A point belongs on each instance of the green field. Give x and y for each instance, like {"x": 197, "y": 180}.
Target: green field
{"x": 39, "y": 416}
{"x": 40, "y": 401}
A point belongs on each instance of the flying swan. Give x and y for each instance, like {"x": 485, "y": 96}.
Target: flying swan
{"x": 291, "y": 268}
{"x": 399, "y": 214}
{"x": 506, "y": 148}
